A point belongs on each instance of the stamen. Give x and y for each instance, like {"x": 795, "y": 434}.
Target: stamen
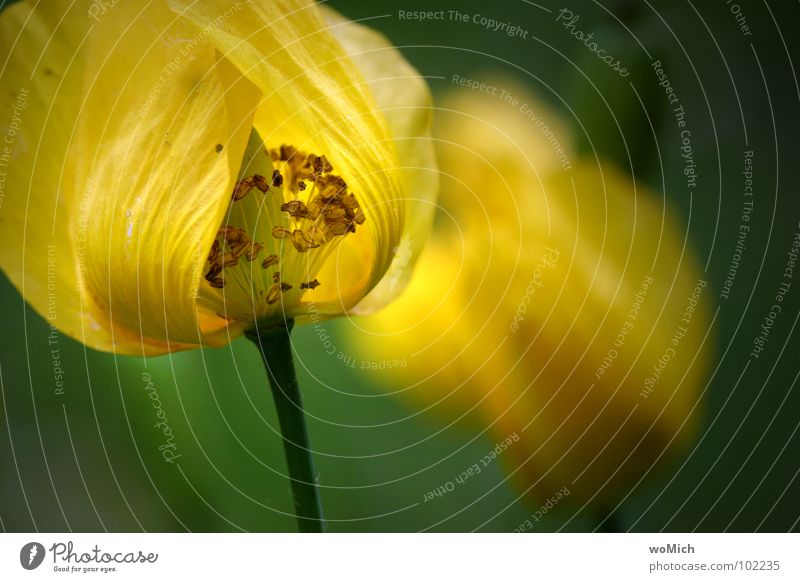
{"x": 332, "y": 209}
{"x": 244, "y": 186}
{"x": 295, "y": 209}
{"x": 252, "y": 253}
{"x": 214, "y": 254}
{"x": 326, "y": 209}
{"x": 229, "y": 260}
{"x": 275, "y": 291}
{"x": 302, "y": 242}
{"x": 270, "y": 261}
{"x": 281, "y": 232}
{"x": 273, "y": 294}
{"x": 238, "y": 244}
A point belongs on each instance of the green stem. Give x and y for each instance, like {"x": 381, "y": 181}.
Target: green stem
{"x": 276, "y": 351}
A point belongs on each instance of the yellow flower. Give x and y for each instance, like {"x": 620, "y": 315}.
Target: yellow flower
{"x": 176, "y": 172}
{"x": 557, "y": 301}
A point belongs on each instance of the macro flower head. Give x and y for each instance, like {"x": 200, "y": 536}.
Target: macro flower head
{"x": 557, "y": 302}
{"x": 186, "y": 171}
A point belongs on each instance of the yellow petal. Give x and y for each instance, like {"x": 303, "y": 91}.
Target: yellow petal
{"x": 315, "y": 100}
{"x": 162, "y": 132}
{"x": 404, "y": 99}
{"x": 40, "y": 237}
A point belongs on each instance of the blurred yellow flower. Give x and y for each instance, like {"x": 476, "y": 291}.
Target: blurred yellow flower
{"x": 182, "y": 171}
{"x": 557, "y": 301}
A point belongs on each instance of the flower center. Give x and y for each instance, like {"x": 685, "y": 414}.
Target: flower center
{"x": 278, "y": 231}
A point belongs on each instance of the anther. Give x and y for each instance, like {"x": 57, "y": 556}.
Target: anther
{"x": 270, "y": 261}
{"x": 253, "y": 251}
{"x": 281, "y": 232}
{"x": 244, "y": 186}
{"x": 295, "y": 209}
{"x": 273, "y": 294}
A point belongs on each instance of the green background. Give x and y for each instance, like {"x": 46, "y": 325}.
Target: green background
{"x": 88, "y": 460}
